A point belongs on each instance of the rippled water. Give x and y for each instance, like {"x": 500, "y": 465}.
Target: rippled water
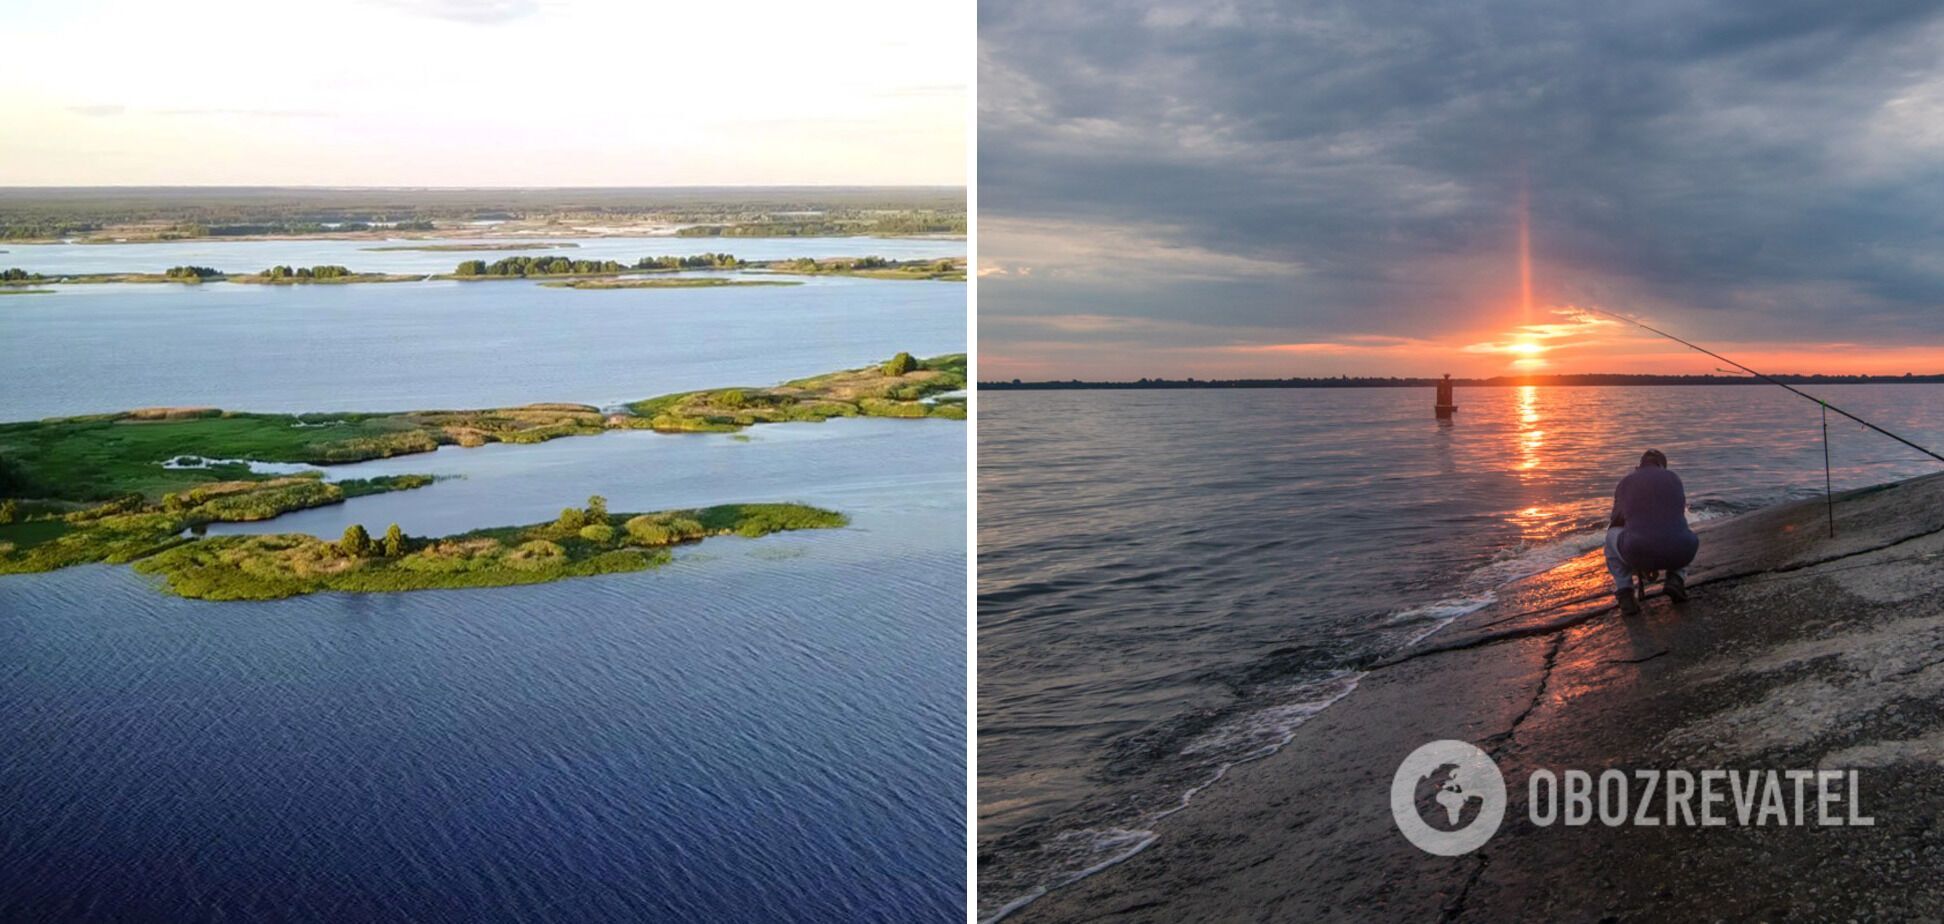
{"x": 1171, "y": 581}
{"x": 410, "y": 345}
{"x": 766, "y": 729}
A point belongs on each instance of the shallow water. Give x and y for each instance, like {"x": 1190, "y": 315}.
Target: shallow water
{"x": 764, "y": 730}
{"x": 1171, "y": 581}
{"x": 419, "y": 345}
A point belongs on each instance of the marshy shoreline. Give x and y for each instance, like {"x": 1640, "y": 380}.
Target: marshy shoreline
{"x": 1796, "y": 651}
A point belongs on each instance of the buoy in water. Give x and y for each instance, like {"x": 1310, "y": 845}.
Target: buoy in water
{"x": 1445, "y": 407}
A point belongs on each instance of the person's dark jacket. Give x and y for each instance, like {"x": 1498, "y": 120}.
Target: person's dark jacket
{"x": 1651, "y": 505}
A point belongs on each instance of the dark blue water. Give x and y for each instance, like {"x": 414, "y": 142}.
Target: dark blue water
{"x": 1172, "y": 581}
{"x": 766, "y": 729}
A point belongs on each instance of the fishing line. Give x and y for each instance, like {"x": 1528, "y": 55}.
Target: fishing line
{"x": 1798, "y": 392}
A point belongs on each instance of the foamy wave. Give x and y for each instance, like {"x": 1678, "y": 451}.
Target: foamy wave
{"x": 1440, "y": 614}
{"x": 1528, "y": 560}
{"x": 1265, "y": 731}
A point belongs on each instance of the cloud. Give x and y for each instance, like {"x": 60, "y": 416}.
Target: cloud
{"x": 98, "y": 111}
{"x": 1126, "y": 254}
{"x": 1325, "y": 170}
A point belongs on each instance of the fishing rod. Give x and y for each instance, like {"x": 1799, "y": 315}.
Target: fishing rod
{"x": 1829, "y": 497}
{"x": 1772, "y": 381}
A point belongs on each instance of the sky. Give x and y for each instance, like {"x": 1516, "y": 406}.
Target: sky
{"x": 1234, "y": 189}
{"x": 483, "y": 93}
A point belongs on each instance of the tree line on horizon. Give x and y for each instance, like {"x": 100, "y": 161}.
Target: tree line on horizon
{"x": 1553, "y": 379}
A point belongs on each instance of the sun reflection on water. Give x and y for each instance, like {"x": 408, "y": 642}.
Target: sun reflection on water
{"x": 1532, "y": 440}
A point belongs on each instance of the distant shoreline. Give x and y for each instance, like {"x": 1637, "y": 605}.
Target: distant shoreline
{"x": 1502, "y": 381}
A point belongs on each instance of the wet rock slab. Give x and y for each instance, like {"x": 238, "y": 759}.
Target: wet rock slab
{"x": 1796, "y": 651}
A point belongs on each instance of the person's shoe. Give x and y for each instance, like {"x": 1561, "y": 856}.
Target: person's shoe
{"x": 1629, "y": 605}
{"x": 1676, "y": 587}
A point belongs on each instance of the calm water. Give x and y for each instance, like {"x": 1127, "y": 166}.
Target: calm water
{"x": 765, "y": 730}
{"x": 402, "y": 346}
{"x": 1171, "y": 581}
{"x": 250, "y": 256}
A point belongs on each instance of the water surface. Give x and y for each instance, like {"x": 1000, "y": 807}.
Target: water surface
{"x": 419, "y": 345}
{"x": 766, "y": 729}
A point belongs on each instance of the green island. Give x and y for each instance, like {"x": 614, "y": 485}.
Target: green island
{"x": 332, "y": 274}
{"x": 191, "y": 275}
{"x": 14, "y": 291}
{"x": 683, "y": 282}
{"x": 141, "y": 486}
{"x": 526, "y": 267}
{"x": 581, "y": 543}
{"x": 952, "y": 270}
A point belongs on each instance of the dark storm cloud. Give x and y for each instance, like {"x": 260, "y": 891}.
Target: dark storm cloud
{"x": 1777, "y": 162}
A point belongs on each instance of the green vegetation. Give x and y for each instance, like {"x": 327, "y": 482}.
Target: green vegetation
{"x": 895, "y": 388}
{"x": 304, "y": 275}
{"x": 153, "y": 453}
{"x": 949, "y": 270}
{"x": 18, "y": 275}
{"x": 698, "y": 261}
{"x": 141, "y": 486}
{"x": 272, "y": 566}
{"x": 179, "y": 274}
{"x": 9, "y": 291}
{"x": 332, "y": 271}
{"x": 131, "y": 527}
{"x": 109, "y": 455}
{"x": 683, "y": 282}
{"x": 522, "y": 267}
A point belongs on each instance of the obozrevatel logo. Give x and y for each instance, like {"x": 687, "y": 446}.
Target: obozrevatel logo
{"x": 1448, "y": 798}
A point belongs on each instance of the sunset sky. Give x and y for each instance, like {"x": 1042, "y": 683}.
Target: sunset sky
{"x": 1273, "y": 189}
{"x": 483, "y": 93}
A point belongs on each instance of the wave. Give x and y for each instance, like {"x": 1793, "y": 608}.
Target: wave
{"x": 1250, "y": 737}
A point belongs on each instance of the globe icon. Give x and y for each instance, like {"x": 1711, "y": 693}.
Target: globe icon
{"x": 1448, "y": 797}
{"x": 1445, "y": 800}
